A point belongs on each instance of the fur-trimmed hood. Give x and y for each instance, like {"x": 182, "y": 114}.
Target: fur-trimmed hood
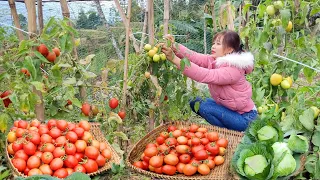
{"x": 243, "y": 60}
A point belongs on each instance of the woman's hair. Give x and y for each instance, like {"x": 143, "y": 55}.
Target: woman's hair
{"x": 231, "y": 39}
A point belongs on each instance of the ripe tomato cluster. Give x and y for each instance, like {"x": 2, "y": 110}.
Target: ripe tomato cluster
{"x": 57, "y": 148}
{"x": 186, "y": 151}
{"x": 50, "y": 55}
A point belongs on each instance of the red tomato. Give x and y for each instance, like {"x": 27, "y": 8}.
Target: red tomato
{"x": 150, "y": 145}
{"x": 182, "y": 140}
{"x": 33, "y": 162}
{"x": 180, "y": 167}
{"x": 152, "y": 151}
{"x": 59, "y": 152}
{"x": 222, "y": 142}
{"x": 34, "y": 138}
{"x": 122, "y": 114}
{"x": 21, "y": 154}
{"x": 43, "y": 130}
{"x": 183, "y": 149}
{"x": 17, "y": 145}
{"x": 46, "y": 157}
{"x": 84, "y": 125}
{"x": 171, "y": 142}
{"x": 177, "y": 133}
{"x": 80, "y": 145}
{"x": 169, "y": 169}
{"x": 70, "y": 161}
{"x": 62, "y": 125}
{"x": 42, "y": 48}
{"x": 29, "y": 148}
{"x": 189, "y": 169}
{"x": 203, "y": 169}
{"x": 194, "y": 128}
{"x": 156, "y": 161}
{"x": 60, "y": 141}
{"x": 19, "y": 163}
{"x": 7, "y": 101}
{"x": 61, "y": 173}
{"x": 51, "y": 57}
{"x": 160, "y": 140}
{"x": 47, "y": 147}
{"x": 79, "y": 168}
{"x": 199, "y": 134}
{"x": 103, "y": 146}
{"x": 45, "y": 169}
{"x": 38, "y": 154}
{"x": 52, "y": 123}
{"x": 212, "y": 136}
{"x": 213, "y": 148}
{"x": 185, "y": 158}
{"x": 164, "y": 134}
{"x": 91, "y": 152}
{"x": 55, "y": 133}
{"x": 45, "y": 138}
{"x": 56, "y": 51}
{"x": 70, "y": 149}
{"x": 195, "y": 149}
{"x": 20, "y": 132}
{"x": 195, "y": 141}
{"x": 201, "y": 155}
{"x": 35, "y": 123}
{"x": 113, "y": 103}
{"x": 138, "y": 164}
{"x": 79, "y": 156}
{"x": 71, "y": 126}
{"x": 101, "y": 161}
{"x": 56, "y": 164}
{"x": 34, "y": 171}
{"x": 171, "y": 128}
{"x": 22, "y": 124}
{"x": 171, "y": 159}
{"x": 90, "y": 166}
{"x": 79, "y": 131}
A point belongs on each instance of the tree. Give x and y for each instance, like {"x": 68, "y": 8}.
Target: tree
{"x": 23, "y": 21}
{"x": 82, "y": 21}
{"x": 93, "y": 20}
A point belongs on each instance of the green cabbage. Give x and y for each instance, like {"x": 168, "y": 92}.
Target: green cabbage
{"x": 268, "y": 133}
{"x": 283, "y": 160}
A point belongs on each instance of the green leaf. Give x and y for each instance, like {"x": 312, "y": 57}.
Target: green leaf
{"x": 121, "y": 135}
{"x": 306, "y": 119}
{"x": 69, "y": 81}
{"x": 87, "y": 60}
{"x": 310, "y": 163}
{"x": 184, "y": 62}
{"x": 49, "y": 24}
{"x": 28, "y": 63}
{"x": 197, "y": 106}
{"x": 316, "y": 138}
{"x": 114, "y": 117}
{"x": 308, "y": 73}
{"x": 78, "y": 176}
{"x": 38, "y": 85}
{"x": 76, "y": 102}
{"x": 4, "y": 119}
{"x": 40, "y": 56}
{"x": 318, "y": 51}
{"x": 65, "y": 65}
{"x": 63, "y": 41}
{"x": 88, "y": 74}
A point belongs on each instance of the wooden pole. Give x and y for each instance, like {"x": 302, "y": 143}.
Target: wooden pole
{"x": 144, "y": 30}
{"x": 230, "y": 17}
{"x": 205, "y": 32}
{"x": 125, "y": 74}
{"x": 16, "y": 21}
{"x": 32, "y": 28}
{"x": 166, "y": 17}
{"x": 40, "y": 16}
{"x": 151, "y": 22}
{"x": 213, "y": 13}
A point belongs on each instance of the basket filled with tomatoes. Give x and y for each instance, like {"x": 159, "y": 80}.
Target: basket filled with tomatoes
{"x": 183, "y": 150}
{"x": 58, "y": 148}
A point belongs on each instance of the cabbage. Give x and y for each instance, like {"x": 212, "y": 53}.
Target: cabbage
{"x": 268, "y": 133}
{"x": 298, "y": 143}
{"x": 283, "y": 160}
{"x": 255, "y": 164}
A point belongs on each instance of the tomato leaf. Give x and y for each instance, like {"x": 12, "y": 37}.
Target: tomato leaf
{"x": 76, "y": 102}
{"x": 4, "y": 119}
{"x": 38, "y": 85}
{"x": 121, "y": 135}
{"x": 184, "y": 62}
{"x": 69, "y": 81}
{"x": 114, "y": 117}
{"x": 40, "y": 56}
{"x": 197, "y": 106}
{"x": 28, "y": 63}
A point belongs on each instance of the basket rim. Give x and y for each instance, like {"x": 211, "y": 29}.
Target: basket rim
{"x": 115, "y": 158}
{"x": 184, "y": 177}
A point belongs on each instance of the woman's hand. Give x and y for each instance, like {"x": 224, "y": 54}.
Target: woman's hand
{"x": 168, "y": 52}
{"x": 171, "y": 39}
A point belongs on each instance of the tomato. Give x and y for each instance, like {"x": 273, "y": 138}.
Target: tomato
{"x": 195, "y": 141}
{"x": 185, "y": 158}
{"x": 182, "y": 140}
{"x": 171, "y": 128}
{"x": 20, "y": 132}
{"x": 34, "y": 138}
{"x": 47, "y": 147}
{"x": 190, "y": 135}
{"x": 189, "y": 142}
{"x": 90, "y": 166}
{"x": 61, "y": 173}
{"x": 222, "y": 151}
{"x": 212, "y": 136}
{"x": 203, "y": 130}
{"x": 56, "y": 51}
{"x": 29, "y": 148}
{"x": 174, "y": 152}
{"x": 7, "y": 101}
{"x": 156, "y": 161}
{"x": 180, "y": 167}
{"x": 43, "y": 130}
{"x": 70, "y": 171}
{"x": 138, "y": 164}
{"x": 152, "y": 151}
{"x": 199, "y": 134}
{"x": 71, "y": 126}
{"x": 218, "y": 160}
{"x": 160, "y": 140}
{"x": 52, "y": 123}
{"x": 183, "y": 149}
{"x": 22, "y": 124}
{"x": 194, "y": 128}
{"x": 91, "y": 152}
{"x": 169, "y": 169}
{"x": 113, "y": 103}
{"x": 62, "y": 125}
{"x": 171, "y": 142}
{"x": 204, "y": 141}
{"x": 150, "y": 145}
{"x": 158, "y": 170}
{"x": 87, "y": 136}
{"x": 70, "y": 161}
{"x": 80, "y": 145}
{"x": 45, "y": 169}
{"x": 106, "y": 153}
{"x": 33, "y": 162}
{"x": 56, "y": 163}
{"x": 222, "y": 142}
{"x": 26, "y": 171}
{"x": 171, "y": 159}
{"x": 213, "y": 148}
{"x": 163, "y": 148}
{"x": 79, "y": 168}
{"x": 45, "y": 138}
{"x": 177, "y": 133}
{"x": 34, "y": 172}
{"x": 95, "y": 144}
{"x": 46, "y": 157}
{"x": 60, "y": 141}
{"x": 42, "y": 48}
{"x": 35, "y": 129}
{"x": 70, "y": 149}
{"x": 79, "y": 156}
{"x": 51, "y": 57}
{"x": 15, "y": 124}
{"x": 195, "y": 149}
{"x": 59, "y": 152}
{"x": 10, "y": 150}
{"x": 19, "y": 163}
{"x": 79, "y": 131}
{"x": 11, "y": 137}
{"x": 38, "y": 154}
{"x": 146, "y": 159}
{"x": 55, "y": 133}
{"x": 201, "y": 155}
{"x": 150, "y": 167}
{"x": 189, "y": 169}
{"x": 35, "y": 123}
{"x": 101, "y": 161}
{"x": 21, "y": 154}
{"x": 13, "y": 129}
{"x": 103, "y": 146}
{"x": 164, "y": 134}
{"x": 203, "y": 169}
{"x": 209, "y": 163}
{"x": 17, "y": 145}
{"x": 122, "y": 114}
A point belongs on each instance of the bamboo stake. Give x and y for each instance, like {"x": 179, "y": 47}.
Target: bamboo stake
{"x": 144, "y": 30}
{"x": 16, "y": 21}
{"x": 124, "y": 19}
{"x": 166, "y": 17}
{"x": 40, "y": 16}
{"x": 32, "y": 28}
{"x": 230, "y": 17}
{"x": 151, "y": 41}
{"x": 213, "y": 13}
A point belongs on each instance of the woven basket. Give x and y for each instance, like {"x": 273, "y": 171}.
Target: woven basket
{"x": 95, "y": 130}
{"x": 218, "y": 173}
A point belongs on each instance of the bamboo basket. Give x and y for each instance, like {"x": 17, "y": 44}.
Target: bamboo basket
{"x": 221, "y": 172}
{"x": 97, "y": 135}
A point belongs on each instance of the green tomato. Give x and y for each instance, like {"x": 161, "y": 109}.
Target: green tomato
{"x": 270, "y": 10}
{"x": 147, "y": 47}
{"x": 156, "y": 58}
{"x": 285, "y": 84}
{"x": 163, "y": 57}
{"x": 316, "y": 111}
{"x": 278, "y": 4}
